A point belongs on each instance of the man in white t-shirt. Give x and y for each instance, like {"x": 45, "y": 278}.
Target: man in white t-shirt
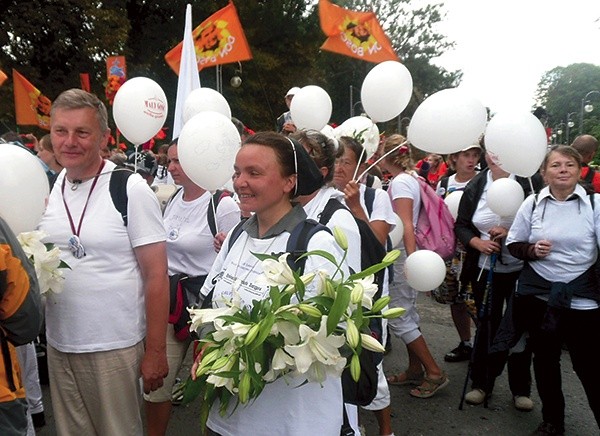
{"x": 107, "y": 328}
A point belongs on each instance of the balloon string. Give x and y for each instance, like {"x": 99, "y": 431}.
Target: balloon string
{"x": 362, "y": 153}
{"x": 531, "y": 185}
{"x": 379, "y": 160}
{"x": 214, "y": 209}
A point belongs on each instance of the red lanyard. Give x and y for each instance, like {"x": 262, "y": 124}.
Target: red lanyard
{"x": 76, "y": 233}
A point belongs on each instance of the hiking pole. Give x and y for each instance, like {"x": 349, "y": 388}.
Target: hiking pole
{"x": 482, "y": 314}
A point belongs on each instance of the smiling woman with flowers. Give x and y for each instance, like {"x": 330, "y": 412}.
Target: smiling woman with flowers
{"x": 273, "y": 362}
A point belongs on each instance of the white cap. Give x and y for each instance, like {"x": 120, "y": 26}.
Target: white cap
{"x": 471, "y": 146}
{"x": 293, "y": 91}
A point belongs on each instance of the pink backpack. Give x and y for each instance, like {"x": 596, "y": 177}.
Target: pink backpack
{"x": 435, "y": 225}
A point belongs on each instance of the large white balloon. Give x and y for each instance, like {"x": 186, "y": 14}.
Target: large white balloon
{"x": 425, "y": 270}
{"x": 23, "y": 188}
{"x": 205, "y": 99}
{"x": 517, "y": 142}
{"x": 207, "y": 147}
{"x": 397, "y": 233}
{"x": 447, "y": 122}
{"x": 504, "y": 197}
{"x": 386, "y": 91}
{"x": 361, "y": 128}
{"x": 140, "y": 109}
{"x": 311, "y": 108}
{"x": 452, "y": 200}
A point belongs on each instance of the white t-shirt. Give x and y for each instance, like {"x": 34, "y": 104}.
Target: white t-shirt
{"x": 452, "y": 186}
{"x": 284, "y": 407}
{"x": 102, "y": 305}
{"x": 189, "y": 238}
{"x": 341, "y": 218}
{"x": 405, "y": 185}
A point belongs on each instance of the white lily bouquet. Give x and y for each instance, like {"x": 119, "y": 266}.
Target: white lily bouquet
{"x": 46, "y": 260}
{"x": 286, "y": 333}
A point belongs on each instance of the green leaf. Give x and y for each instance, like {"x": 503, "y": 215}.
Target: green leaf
{"x": 321, "y": 253}
{"x": 191, "y": 389}
{"x": 289, "y": 316}
{"x": 275, "y": 296}
{"x": 263, "y": 256}
{"x": 342, "y": 298}
{"x": 265, "y": 329}
{"x": 369, "y": 271}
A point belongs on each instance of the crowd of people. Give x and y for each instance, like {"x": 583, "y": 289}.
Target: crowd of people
{"x": 532, "y": 276}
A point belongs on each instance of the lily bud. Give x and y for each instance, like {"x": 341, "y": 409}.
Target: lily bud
{"x": 356, "y": 296}
{"x": 391, "y": 256}
{"x": 380, "y": 304}
{"x": 244, "y": 388}
{"x": 307, "y": 278}
{"x": 370, "y": 343}
{"x": 310, "y": 310}
{"x": 352, "y": 334}
{"x": 252, "y": 333}
{"x": 340, "y": 238}
{"x": 329, "y": 289}
{"x": 394, "y": 312}
{"x": 220, "y": 363}
{"x": 355, "y": 368}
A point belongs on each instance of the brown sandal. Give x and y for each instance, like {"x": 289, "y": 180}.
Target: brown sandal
{"x": 406, "y": 378}
{"x": 430, "y": 386}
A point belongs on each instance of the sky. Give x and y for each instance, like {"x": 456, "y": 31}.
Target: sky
{"x": 505, "y": 47}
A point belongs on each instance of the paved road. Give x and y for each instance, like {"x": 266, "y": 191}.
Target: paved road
{"x": 438, "y": 415}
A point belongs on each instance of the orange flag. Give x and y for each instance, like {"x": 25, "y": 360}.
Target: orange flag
{"x": 218, "y": 40}
{"x": 3, "y": 77}
{"x": 354, "y": 34}
{"x": 31, "y": 106}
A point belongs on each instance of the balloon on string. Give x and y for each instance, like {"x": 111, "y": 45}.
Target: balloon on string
{"x": 23, "y": 188}
{"x": 517, "y": 141}
{"x": 205, "y": 99}
{"x": 425, "y": 270}
{"x": 447, "y": 122}
{"x": 505, "y": 196}
{"x": 207, "y": 146}
{"x": 386, "y": 90}
{"x": 452, "y": 200}
{"x": 361, "y": 128}
{"x": 397, "y": 233}
{"x": 140, "y": 109}
{"x": 311, "y": 108}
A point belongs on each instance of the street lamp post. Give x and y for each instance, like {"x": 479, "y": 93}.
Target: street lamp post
{"x": 570, "y": 124}
{"x": 559, "y": 131}
{"x": 588, "y": 108}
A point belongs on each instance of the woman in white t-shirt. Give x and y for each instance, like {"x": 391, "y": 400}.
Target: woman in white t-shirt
{"x": 405, "y": 195}
{"x": 266, "y": 179}
{"x": 190, "y": 251}
{"x": 372, "y": 206}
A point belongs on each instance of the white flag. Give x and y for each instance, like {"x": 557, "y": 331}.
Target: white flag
{"x": 189, "y": 79}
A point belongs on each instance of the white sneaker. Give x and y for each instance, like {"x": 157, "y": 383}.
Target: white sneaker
{"x": 522, "y": 403}
{"x": 475, "y": 397}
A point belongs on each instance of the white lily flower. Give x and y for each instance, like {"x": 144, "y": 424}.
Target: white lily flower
{"x": 229, "y": 330}
{"x": 276, "y": 272}
{"x": 318, "y": 372}
{"x": 316, "y": 346}
{"x": 288, "y": 330}
{"x": 31, "y": 242}
{"x": 369, "y": 290}
{"x": 204, "y": 316}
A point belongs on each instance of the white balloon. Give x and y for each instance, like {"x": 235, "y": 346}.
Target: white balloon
{"x": 140, "y": 109}
{"x": 425, "y": 270}
{"x": 205, "y": 99}
{"x": 24, "y": 188}
{"x": 311, "y": 108}
{"x": 397, "y": 233}
{"x": 447, "y": 122}
{"x": 504, "y": 197}
{"x": 452, "y": 200}
{"x": 386, "y": 90}
{"x": 517, "y": 141}
{"x": 362, "y": 128}
{"x": 207, "y": 147}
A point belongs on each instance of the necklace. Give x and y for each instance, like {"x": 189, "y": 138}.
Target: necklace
{"x": 74, "y": 242}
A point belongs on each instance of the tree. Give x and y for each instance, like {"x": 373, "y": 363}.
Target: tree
{"x": 561, "y": 91}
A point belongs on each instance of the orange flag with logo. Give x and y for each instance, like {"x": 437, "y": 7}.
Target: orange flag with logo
{"x": 354, "y": 34}
{"x": 218, "y": 40}
{"x": 3, "y": 77}
{"x": 31, "y": 106}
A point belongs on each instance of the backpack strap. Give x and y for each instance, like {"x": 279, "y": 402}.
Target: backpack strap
{"x": 235, "y": 234}
{"x": 212, "y": 207}
{"x": 330, "y": 208}
{"x": 118, "y": 190}
{"x": 444, "y": 184}
{"x": 370, "y": 180}
{"x": 297, "y": 243}
{"x": 589, "y": 175}
{"x": 369, "y": 199}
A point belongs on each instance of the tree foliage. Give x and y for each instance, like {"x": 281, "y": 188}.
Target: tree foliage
{"x": 563, "y": 89}
{"x": 50, "y": 43}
